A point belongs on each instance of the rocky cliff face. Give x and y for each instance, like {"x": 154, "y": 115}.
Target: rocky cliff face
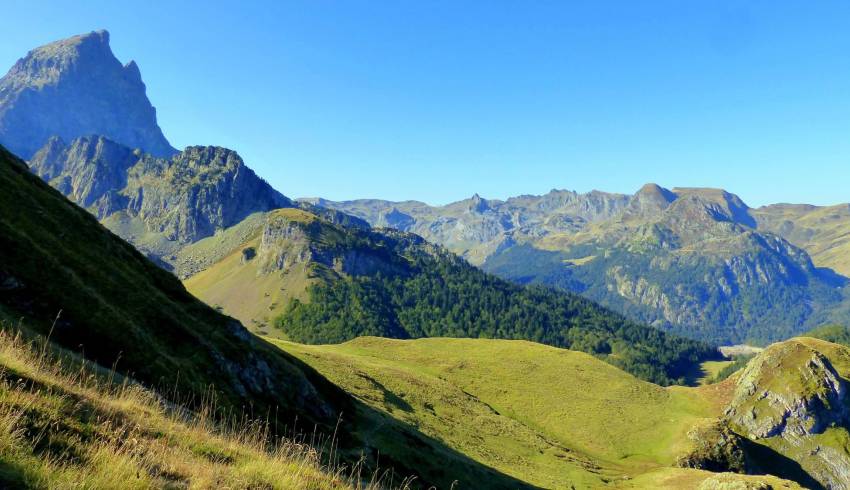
{"x": 76, "y": 87}
{"x": 156, "y": 203}
{"x": 792, "y": 401}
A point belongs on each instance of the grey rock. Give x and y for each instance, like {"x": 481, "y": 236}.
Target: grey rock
{"x": 181, "y": 199}
{"x": 77, "y": 87}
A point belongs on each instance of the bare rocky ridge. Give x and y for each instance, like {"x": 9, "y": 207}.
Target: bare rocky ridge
{"x": 77, "y": 87}
{"x": 158, "y": 204}
{"x": 475, "y": 228}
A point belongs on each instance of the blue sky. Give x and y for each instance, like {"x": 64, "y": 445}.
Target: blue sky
{"x": 437, "y": 100}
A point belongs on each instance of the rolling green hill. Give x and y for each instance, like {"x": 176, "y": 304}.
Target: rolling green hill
{"x": 321, "y": 283}
{"x": 555, "y": 418}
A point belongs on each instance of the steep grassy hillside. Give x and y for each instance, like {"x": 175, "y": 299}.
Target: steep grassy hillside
{"x": 119, "y": 309}
{"x": 552, "y": 417}
{"x": 69, "y": 424}
{"x": 323, "y": 283}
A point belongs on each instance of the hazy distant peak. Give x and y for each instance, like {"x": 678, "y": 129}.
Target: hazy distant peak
{"x": 76, "y": 87}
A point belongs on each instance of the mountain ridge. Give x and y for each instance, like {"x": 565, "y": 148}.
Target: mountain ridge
{"x": 660, "y": 256}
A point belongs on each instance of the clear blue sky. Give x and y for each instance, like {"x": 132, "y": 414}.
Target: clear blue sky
{"x": 436, "y": 100}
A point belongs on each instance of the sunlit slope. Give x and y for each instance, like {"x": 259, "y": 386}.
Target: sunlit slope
{"x": 824, "y": 232}
{"x": 550, "y": 416}
{"x": 292, "y": 274}
{"x": 230, "y": 279}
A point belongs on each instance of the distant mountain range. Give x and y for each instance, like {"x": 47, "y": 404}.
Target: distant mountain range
{"x": 471, "y": 411}
{"x": 305, "y": 272}
{"x": 696, "y": 261}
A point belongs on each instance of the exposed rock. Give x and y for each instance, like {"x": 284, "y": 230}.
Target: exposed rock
{"x": 76, "y": 87}
{"x": 474, "y": 228}
{"x": 793, "y": 401}
{"x": 284, "y": 243}
{"x": 790, "y": 389}
{"x": 248, "y": 254}
{"x": 715, "y": 448}
{"x": 182, "y": 199}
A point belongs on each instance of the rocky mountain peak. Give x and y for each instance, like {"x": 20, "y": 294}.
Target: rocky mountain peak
{"x": 721, "y": 204}
{"x": 180, "y": 199}
{"x": 478, "y": 204}
{"x": 77, "y": 87}
{"x": 650, "y": 200}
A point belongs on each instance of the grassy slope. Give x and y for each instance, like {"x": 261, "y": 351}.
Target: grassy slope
{"x": 824, "y": 232}
{"x": 538, "y": 413}
{"x": 117, "y": 305}
{"x": 238, "y": 287}
{"x": 67, "y": 424}
{"x": 400, "y": 287}
{"x": 119, "y": 308}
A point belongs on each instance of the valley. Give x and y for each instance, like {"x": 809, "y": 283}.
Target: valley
{"x": 169, "y": 319}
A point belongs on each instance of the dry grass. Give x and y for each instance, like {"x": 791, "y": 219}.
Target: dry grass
{"x": 68, "y": 424}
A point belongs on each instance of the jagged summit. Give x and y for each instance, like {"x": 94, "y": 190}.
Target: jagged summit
{"x": 77, "y": 87}
{"x": 171, "y": 201}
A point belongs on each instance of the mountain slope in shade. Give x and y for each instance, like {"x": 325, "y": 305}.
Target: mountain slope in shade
{"x": 76, "y": 87}
{"x": 158, "y": 204}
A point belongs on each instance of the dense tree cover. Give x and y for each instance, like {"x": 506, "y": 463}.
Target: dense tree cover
{"x": 838, "y": 334}
{"x": 435, "y": 294}
{"x": 755, "y": 313}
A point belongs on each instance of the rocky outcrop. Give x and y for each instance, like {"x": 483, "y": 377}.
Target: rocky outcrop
{"x": 177, "y": 200}
{"x": 283, "y": 244}
{"x": 287, "y": 241}
{"x": 792, "y": 400}
{"x": 716, "y": 448}
{"x": 76, "y": 87}
{"x": 789, "y": 390}
{"x": 89, "y": 171}
{"x": 199, "y": 190}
